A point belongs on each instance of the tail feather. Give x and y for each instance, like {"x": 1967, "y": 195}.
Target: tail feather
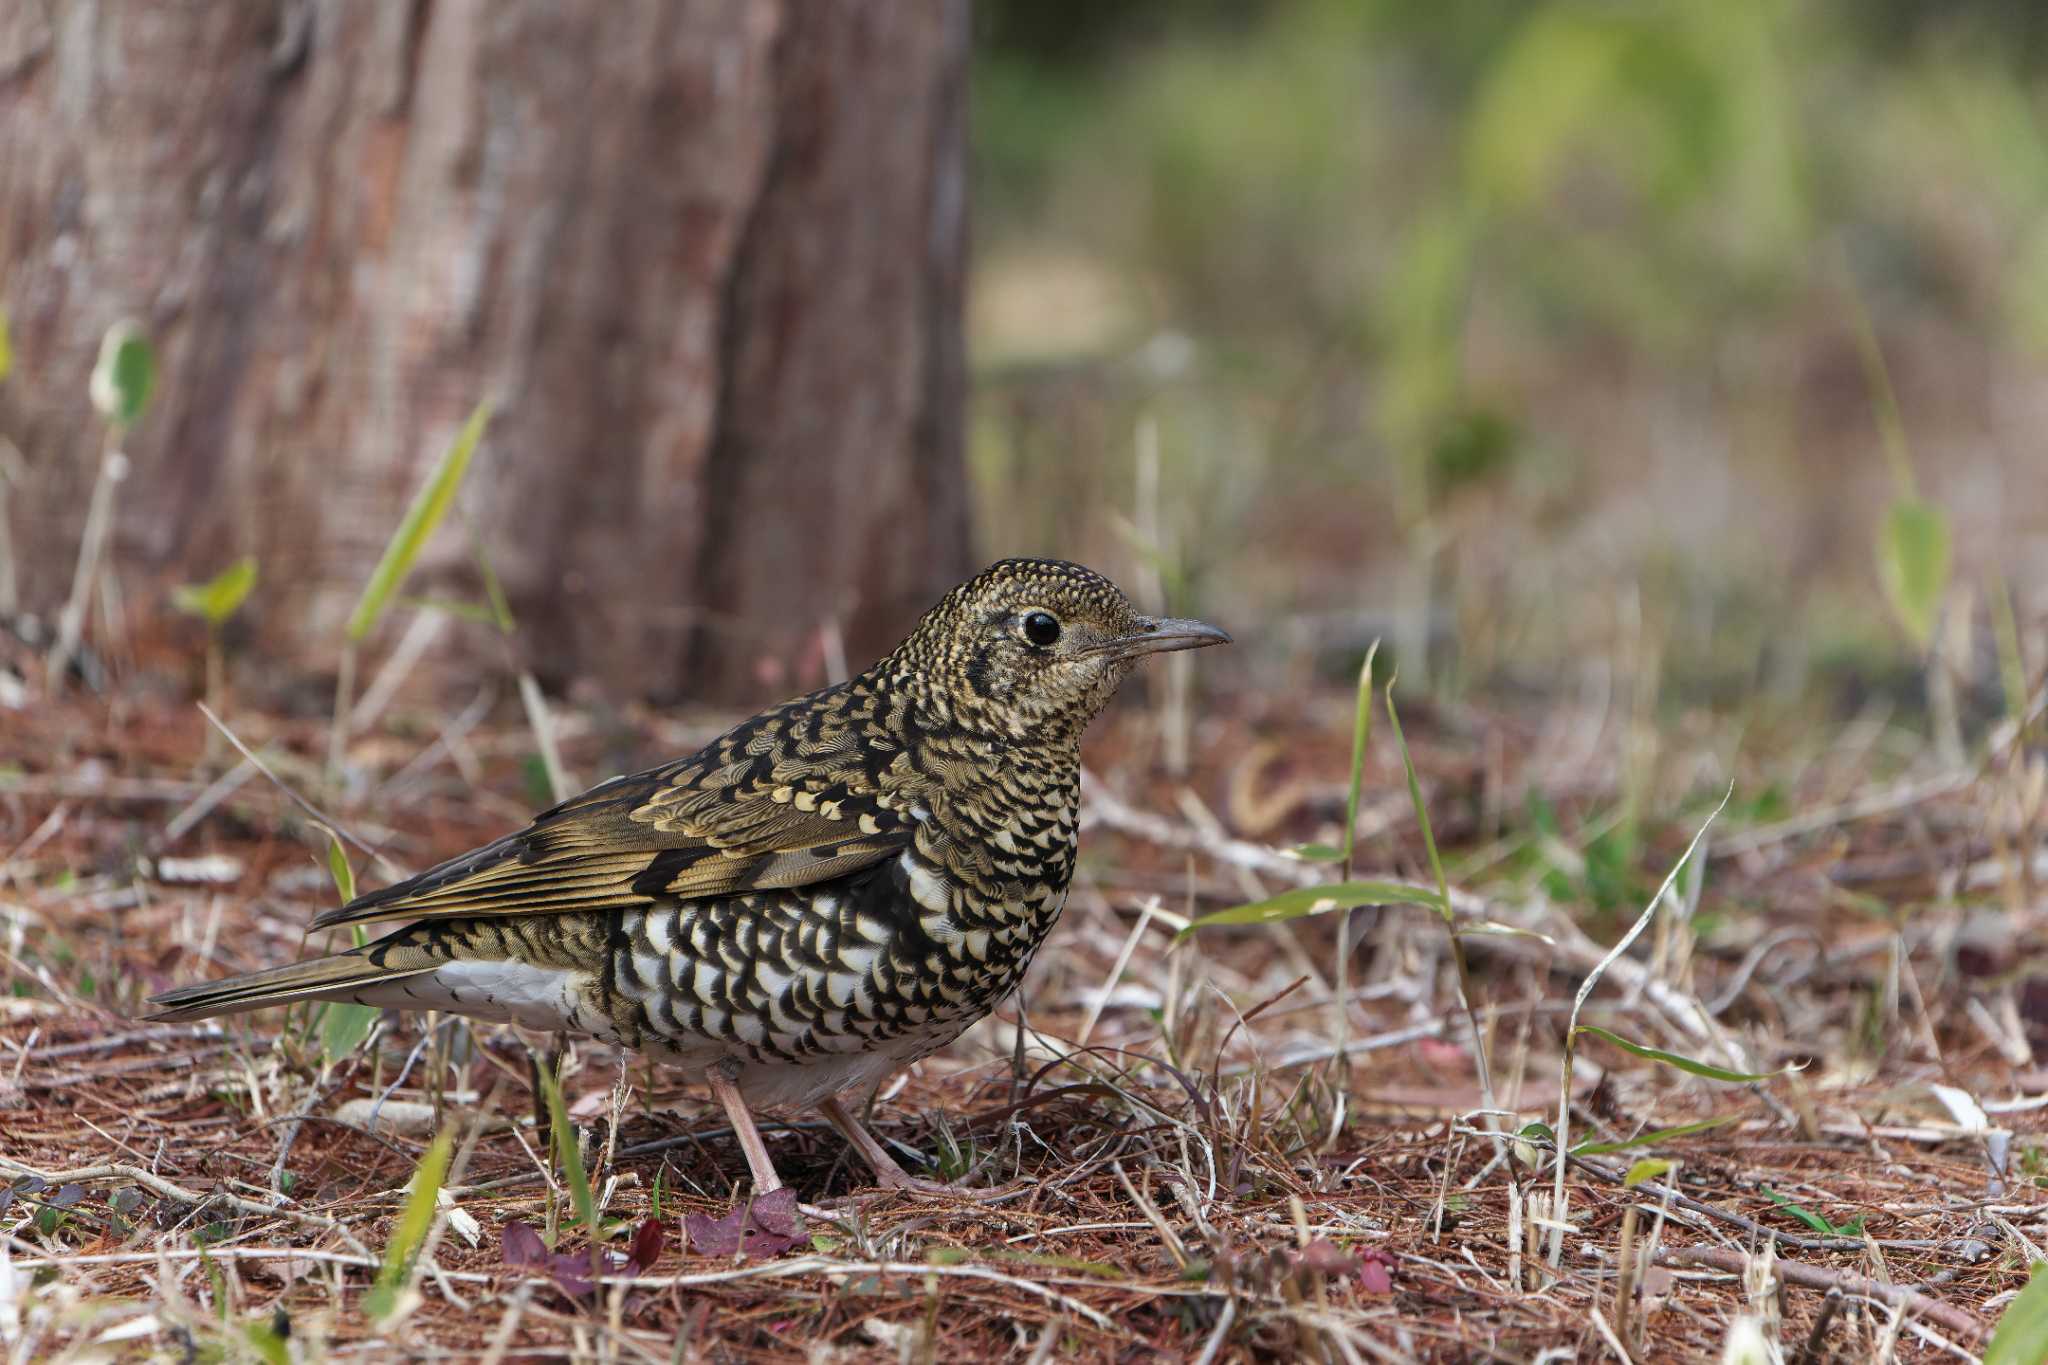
{"x": 322, "y": 978}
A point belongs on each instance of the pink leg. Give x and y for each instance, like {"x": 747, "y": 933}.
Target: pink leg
{"x": 888, "y": 1173}
{"x": 765, "y": 1178}
{"x": 891, "y": 1176}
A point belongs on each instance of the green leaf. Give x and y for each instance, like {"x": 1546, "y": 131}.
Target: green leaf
{"x": 338, "y": 867}
{"x": 1436, "y": 862}
{"x": 1361, "y": 736}
{"x": 6, "y": 347}
{"x": 569, "y": 1153}
{"x": 219, "y": 597}
{"x": 1316, "y": 853}
{"x": 1315, "y": 900}
{"x": 1687, "y": 1064}
{"x": 1913, "y": 560}
{"x": 1649, "y": 1139}
{"x": 343, "y": 1024}
{"x": 428, "y": 507}
{"x": 1649, "y": 1168}
{"x": 411, "y": 1232}
{"x": 2021, "y": 1336}
{"x": 123, "y": 376}
{"x": 1852, "y": 1228}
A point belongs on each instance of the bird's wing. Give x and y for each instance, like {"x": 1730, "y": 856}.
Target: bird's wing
{"x": 785, "y": 800}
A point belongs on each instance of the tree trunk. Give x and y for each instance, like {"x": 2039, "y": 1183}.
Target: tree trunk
{"x": 706, "y": 255}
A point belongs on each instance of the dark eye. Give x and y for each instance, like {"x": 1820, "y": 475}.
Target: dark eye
{"x": 1042, "y": 629}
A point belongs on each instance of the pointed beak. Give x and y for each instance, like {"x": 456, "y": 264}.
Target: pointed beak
{"x": 1158, "y": 637}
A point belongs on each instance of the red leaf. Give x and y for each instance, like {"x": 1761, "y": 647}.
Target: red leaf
{"x": 1327, "y": 1258}
{"x": 523, "y": 1246}
{"x": 1375, "y": 1271}
{"x": 646, "y": 1250}
{"x": 570, "y": 1270}
{"x": 766, "y": 1226}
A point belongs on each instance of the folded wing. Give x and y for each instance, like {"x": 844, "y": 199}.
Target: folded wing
{"x": 781, "y": 802}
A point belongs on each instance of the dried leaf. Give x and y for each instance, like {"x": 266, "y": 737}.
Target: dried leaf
{"x": 1325, "y": 1257}
{"x": 522, "y": 1245}
{"x": 766, "y": 1226}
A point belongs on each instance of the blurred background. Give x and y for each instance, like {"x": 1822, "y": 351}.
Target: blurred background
{"x": 1532, "y": 337}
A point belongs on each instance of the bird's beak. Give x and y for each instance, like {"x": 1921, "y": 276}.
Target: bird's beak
{"x": 1158, "y": 637}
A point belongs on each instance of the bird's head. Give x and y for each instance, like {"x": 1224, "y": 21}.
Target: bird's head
{"x": 1033, "y": 649}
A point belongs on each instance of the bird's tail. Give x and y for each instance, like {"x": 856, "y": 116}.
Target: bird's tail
{"x": 323, "y": 978}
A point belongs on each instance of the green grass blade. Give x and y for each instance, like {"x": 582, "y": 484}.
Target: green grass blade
{"x": 1361, "y": 736}
{"x": 339, "y": 869}
{"x": 1315, "y": 900}
{"x": 343, "y": 1025}
{"x": 1436, "y": 862}
{"x": 1686, "y": 1064}
{"x": 494, "y": 591}
{"x": 2021, "y": 1336}
{"x": 1914, "y": 557}
{"x": 570, "y": 1154}
{"x": 1818, "y": 1222}
{"x": 1649, "y": 1168}
{"x": 1651, "y": 1139}
{"x": 429, "y": 506}
{"x": 411, "y": 1232}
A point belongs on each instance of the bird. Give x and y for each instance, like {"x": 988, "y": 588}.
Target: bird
{"x": 827, "y": 892}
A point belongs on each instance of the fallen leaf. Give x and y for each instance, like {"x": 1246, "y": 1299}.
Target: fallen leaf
{"x": 646, "y": 1250}
{"x": 765, "y": 1226}
{"x": 1375, "y": 1271}
{"x": 523, "y": 1246}
{"x": 1325, "y": 1257}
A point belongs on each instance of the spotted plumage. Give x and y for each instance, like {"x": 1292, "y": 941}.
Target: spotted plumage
{"x": 830, "y": 890}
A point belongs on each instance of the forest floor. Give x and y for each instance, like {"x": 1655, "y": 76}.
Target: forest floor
{"x": 1215, "y": 1162}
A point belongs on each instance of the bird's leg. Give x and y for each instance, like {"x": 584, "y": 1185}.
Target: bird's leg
{"x": 887, "y": 1171}
{"x": 892, "y": 1176}
{"x": 721, "y": 1077}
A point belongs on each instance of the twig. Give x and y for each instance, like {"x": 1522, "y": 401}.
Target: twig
{"x": 91, "y": 545}
{"x": 319, "y": 816}
{"x": 792, "y": 1268}
{"x": 1956, "y": 1320}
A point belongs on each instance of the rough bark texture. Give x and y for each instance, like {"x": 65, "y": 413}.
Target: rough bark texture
{"x": 706, "y": 255}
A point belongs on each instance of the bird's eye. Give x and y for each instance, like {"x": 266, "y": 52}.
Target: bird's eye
{"x": 1042, "y": 629}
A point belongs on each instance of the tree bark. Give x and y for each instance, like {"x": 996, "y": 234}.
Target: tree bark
{"x": 706, "y": 255}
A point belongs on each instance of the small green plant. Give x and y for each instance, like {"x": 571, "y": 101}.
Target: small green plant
{"x": 343, "y": 1024}
{"x": 1818, "y": 1222}
{"x": 387, "y": 1298}
{"x": 569, "y": 1158}
{"x": 215, "y": 602}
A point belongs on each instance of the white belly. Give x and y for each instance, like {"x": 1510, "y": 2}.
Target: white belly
{"x": 549, "y": 1000}
{"x": 541, "y": 998}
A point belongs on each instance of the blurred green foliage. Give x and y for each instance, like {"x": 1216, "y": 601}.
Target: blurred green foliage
{"x": 1430, "y": 299}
